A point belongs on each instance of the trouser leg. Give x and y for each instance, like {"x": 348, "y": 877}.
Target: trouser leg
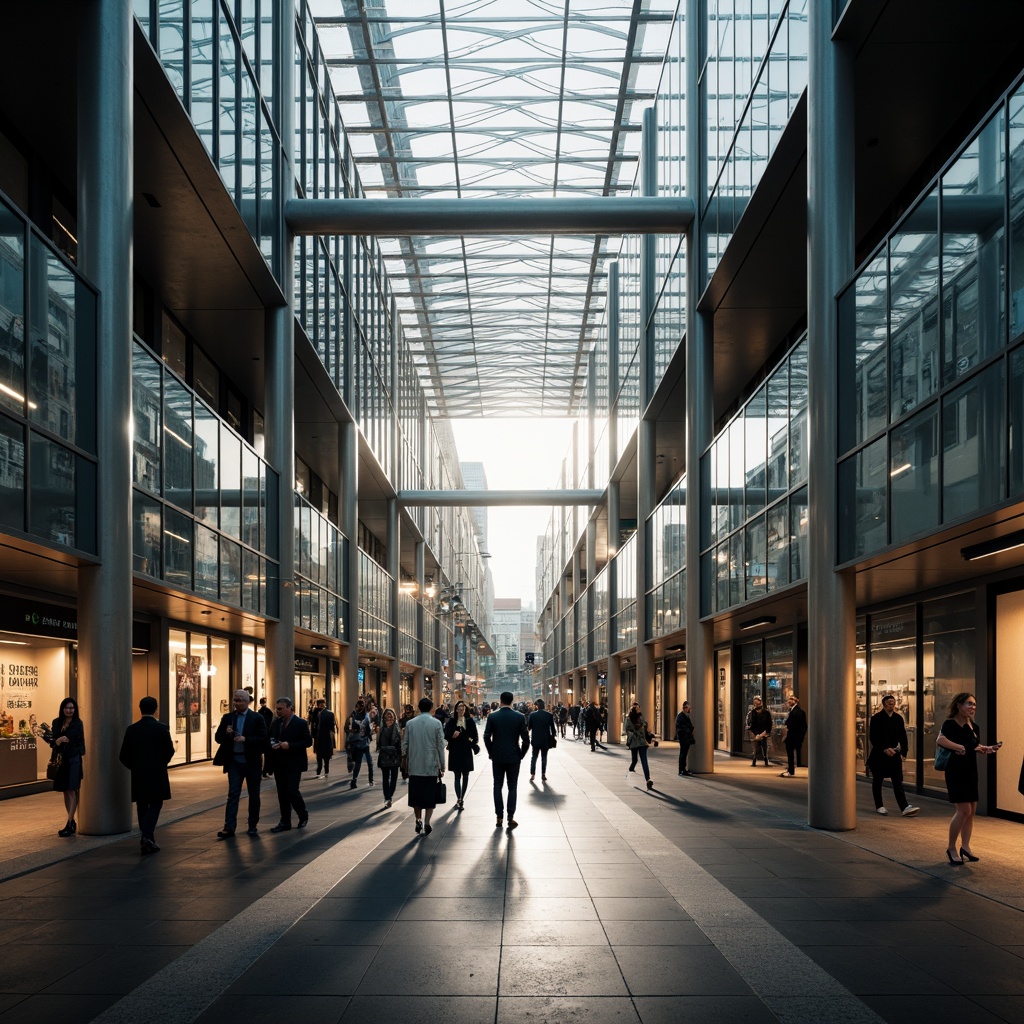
{"x": 236, "y": 776}
{"x": 512, "y": 775}
{"x": 253, "y": 781}
{"x": 498, "y": 771}
{"x": 877, "y": 778}
{"x": 897, "y": 784}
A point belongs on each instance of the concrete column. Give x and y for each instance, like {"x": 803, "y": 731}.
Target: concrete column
{"x": 614, "y": 684}
{"x": 646, "y": 438}
{"x": 349, "y": 509}
{"x": 613, "y": 366}
{"x": 831, "y": 792}
{"x": 700, "y": 656}
{"x": 105, "y": 162}
{"x": 279, "y": 388}
{"x": 614, "y": 677}
{"x": 421, "y": 596}
{"x": 394, "y": 543}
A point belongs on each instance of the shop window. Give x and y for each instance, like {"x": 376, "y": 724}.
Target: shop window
{"x": 12, "y": 474}
{"x": 913, "y": 475}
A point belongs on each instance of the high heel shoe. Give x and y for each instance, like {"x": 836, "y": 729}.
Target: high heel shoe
{"x": 952, "y": 859}
{"x": 967, "y": 856}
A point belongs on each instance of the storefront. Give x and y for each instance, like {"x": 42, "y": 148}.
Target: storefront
{"x": 766, "y": 668}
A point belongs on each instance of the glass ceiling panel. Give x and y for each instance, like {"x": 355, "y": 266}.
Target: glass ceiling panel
{"x": 516, "y": 99}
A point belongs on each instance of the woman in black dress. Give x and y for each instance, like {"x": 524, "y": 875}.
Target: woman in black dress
{"x": 463, "y": 740}
{"x": 68, "y": 740}
{"x": 960, "y": 736}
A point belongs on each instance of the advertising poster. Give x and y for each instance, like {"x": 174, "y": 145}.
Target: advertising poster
{"x": 189, "y": 692}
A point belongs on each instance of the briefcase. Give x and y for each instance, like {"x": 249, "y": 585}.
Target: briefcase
{"x": 441, "y": 794}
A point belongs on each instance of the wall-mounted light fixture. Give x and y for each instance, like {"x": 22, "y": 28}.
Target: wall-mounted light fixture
{"x": 761, "y": 620}
{"x": 677, "y": 649}
{"x": 993, "y": 547}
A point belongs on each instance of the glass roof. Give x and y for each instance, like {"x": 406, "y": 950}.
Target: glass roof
{"x": 496, "y": 99}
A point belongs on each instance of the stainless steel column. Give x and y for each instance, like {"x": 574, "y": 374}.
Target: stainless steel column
{"x": 831, "y": 702}
{"x": 646, "y": 438}
{"x": 700, "y": 658}
{"x": 279, "y": 381}
{"x": 105, "y": 162}
{"x": 421, "y": 596}
{"x": 614, "y": 673}
{"x": 394, "y": 543}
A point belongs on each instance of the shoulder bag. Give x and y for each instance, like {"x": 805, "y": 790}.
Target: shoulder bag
{"x": 441, "y": 793}
{"x": 942, "y": 756}
{"x": 54, "y": 766}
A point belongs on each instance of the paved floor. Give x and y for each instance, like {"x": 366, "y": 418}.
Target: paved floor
{"x": 705, "y": 899}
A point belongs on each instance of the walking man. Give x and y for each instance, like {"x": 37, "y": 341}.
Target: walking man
{"x": 592, "y": 717}
{"x": 242, "y": 739}
{"x": 684, "y": 734}
{"x": 323, "y": 738}
{"x": 542, "y": 738}
{"x": 759, "y": 724}
{"x": 888, "y": 734}
{"x": 289, "y": 741}
{"x": 146, "y": 751}
{"x": 423, "y": 747}
{"x": 507, "y": 740}
{"x": 794, "y": 733}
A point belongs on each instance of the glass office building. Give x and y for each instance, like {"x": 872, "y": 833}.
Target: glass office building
{"x": 801, "y": 409}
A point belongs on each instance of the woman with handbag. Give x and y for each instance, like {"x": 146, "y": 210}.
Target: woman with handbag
{"x": 636, "y": 740}
{"x": 389, "y": 754}
{"x": 463, "y": 739}
{"x": 959, "y": 735}
{"x": 68, "y": 741}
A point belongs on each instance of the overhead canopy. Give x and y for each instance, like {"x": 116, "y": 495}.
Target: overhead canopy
{"x": 497, "y": 99}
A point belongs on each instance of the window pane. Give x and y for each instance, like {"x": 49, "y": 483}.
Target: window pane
{"x": 778, "y": 432}
{"x": 177, "y": 549}
{"x": 1016, "y": 425}
{"x": 798, "y": 415}
{"x": 863, "y": 502}
{"x": 207, "y": 562}
{"x": 53, "y": 499}
{"x": 207, "y": 464}
{"x": 53, "y": 349}
{"x": 146, "y": 420}
{"x": 755, "y": 559}
{"x": 12, "y": 474}
{"x": 230, "y": 482}
{"x": 863, "y": 329}
{"x": 146, "y": 535}
{"x": 799, "y": 554}
{"x": 230, "y": 572}
{"x": 1017, "y": 213}
{"x": 973, "y": 219}
{"x": 777, "y": 546}
{"x": 913, "y": 472}
{"x": 250, "y": 498}
{"x": 201, "y": 72}
{"x": 973, "y": 452}
{"x": 755, "y": 452}
{"x": 179, "y": 441}
{"x": 12, "y": 310}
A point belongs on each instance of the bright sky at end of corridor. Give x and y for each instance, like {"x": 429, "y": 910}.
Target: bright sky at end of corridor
{"x": 517, "y": 454}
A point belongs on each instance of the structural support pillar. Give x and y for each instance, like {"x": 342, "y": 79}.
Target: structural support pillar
{"x": 831, "y": 602}
{"x": 646, "y": 436}
{"x": 614, "y": 682}
{"x": 349, "y": 508}
{"x": 105, "y": 162}
{"x": 394, "y": 544}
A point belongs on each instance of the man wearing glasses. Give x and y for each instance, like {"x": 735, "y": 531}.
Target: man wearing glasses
{"x": 888, "y": 735}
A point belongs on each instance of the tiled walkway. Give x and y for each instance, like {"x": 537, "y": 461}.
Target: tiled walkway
{"x": 706, "y": 899}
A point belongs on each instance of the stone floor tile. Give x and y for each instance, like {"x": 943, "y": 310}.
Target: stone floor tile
{"x": 449, "y": 1008}
{"x": 243, "y": 1008}
{"x": 451, "y": 968}
{"x": 524, "y": 932}
{"x": 310, "y": 970}
{"x": 950, "y": 1009}
{"x": 687, "y": 970}
{"x": 716, "y": 1009}
{"x": 58, "y": 1009}
{"x": 654, "y": 933}
{"x": 567, "y": 1010}
{"x": 559, "y": 971}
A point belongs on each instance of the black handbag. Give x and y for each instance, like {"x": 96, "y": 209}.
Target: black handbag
{"x": 441, "y": 793}
{"x": 53, "y": 766}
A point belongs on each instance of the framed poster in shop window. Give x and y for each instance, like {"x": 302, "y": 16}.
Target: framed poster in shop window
{"x": 188, "y": 691}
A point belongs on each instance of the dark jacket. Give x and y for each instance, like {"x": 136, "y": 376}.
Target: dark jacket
{"x": 266, "y": 714}
{"x": 684, "y": 728}
{"x": 886, "y": 731}
{"x": 254, "y": 729}
{"x": 759, "y": 720}
{"x": 296, "y": 735}
{"x": 506, "y": 737}
{"x": 542, "y": 729}
{"x": 75, "y": 746}
{"x": 326, "y": 727}
{"x": 592, "y": 716}
{"x": 146, "y": 751}
{"x": 460, "y": 749}
{"x": 796, "y": 726}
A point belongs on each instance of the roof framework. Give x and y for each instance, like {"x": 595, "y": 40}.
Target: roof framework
{"x": 509, "y": 99}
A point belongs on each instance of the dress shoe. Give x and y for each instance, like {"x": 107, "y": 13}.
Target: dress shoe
{"x": 282, "y": 827}
{"x": 352, "y": 784}
{"x": 226, "y": 833}
{"x": 419, "y": 825}
{"x": 543, "y": 778}
{"x": 512, "y": 823}
{"x": 303, "y": 822}
{"x": 148, "y": 846}
{"x": 67, "y": 830}
{"x": 498, "y": 822}
{"x": 427, "y": 829}
{"x": 532, "y": 777}
{"x": 252, "y": 830}
{"x": 650, "y": 783}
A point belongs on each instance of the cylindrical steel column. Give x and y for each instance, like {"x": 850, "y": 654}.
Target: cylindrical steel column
{"x": 279, "y": 386}
{"x": 646, "y": 437}
{"x": 831, "y": 602}
{"x": 394, "y": 544}
{"x": 700, "y": 659}
{"x": 421, "y": 596}
{"x": 614, "y": 676}
{"x": 105, "y": 162}
{"x": 613, "y": 366}
{"x": 349, "y": 508}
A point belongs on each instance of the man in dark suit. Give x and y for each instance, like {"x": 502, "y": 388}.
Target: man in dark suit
{"x": 684, "y": 734}
{"x": 289, "y": 741}
{"x": 146, "y": 751}
{"x": 507, "y": 740}
{"x": 242, "y": 739}
{"x": 541, "y": 724}
{"x": 795, "y": 731}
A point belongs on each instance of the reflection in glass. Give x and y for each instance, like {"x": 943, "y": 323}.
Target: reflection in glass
{"x": 1017, "y": 213}
{"x": 207, "y": 562}
{"x": 863, "y": 319}
{"x": 230, "y": 572}
{"x": 178, "y": 443}
{"x": 146, "y": 535}
{"x": 914, "y": 475}
{"x": 230, "y": 482}
{"x": 177, "y": 549}
{"x": 53, "y": 504}
{"x": 863, "y": 481}
{"x": 207, "y": 465}
{"x": 12, "y": 310}
{"x": 799, "y": 520}
{"x": 12, "y": 474}
{"x": 146, "y": 420}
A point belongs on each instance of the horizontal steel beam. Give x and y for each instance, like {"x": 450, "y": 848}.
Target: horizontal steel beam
{"x": 480, "y": 499}
{"x": 627, "y": 215}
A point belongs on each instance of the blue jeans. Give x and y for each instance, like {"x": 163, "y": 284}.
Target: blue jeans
{"x": 640, "y": 752}
{"x": 249, "y": 773}
{"x": 357, "y": 760}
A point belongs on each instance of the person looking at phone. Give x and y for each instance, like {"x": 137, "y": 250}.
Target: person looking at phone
{"x": 960, "y": 736}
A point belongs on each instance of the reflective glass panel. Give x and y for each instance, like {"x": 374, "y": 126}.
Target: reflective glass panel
{"x": 914, "y": 475}
{"x": 863, "y": 502}
{"x": 1017, "y": 213}
{"x": 12, "y": 474}
{"x": 146, "y": 535}
{"x": 12, "y": 310}
{"x": 53, "y": 498}
{"x": 207, "y": 464}
{"x": 146, "y": 416}
{"x": 207, "y": 562}
{"x": 177, "y": 549}
{"x": 179, "y": 441}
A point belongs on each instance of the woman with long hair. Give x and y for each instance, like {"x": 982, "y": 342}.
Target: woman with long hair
{"x": 636, "y": 740}
{"x": 389, "y": 753}
{"x": 960, "y": 736}
{"x": 463, "y": 741}
{"x": 68, "y": 740}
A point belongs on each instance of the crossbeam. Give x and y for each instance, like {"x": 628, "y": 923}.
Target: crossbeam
{"x": 481, "y": 499}
{"x": 394, "y": 218}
